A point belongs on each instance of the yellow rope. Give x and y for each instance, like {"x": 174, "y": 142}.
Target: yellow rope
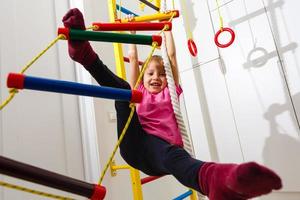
{"x": 92, "y": 28}
{"x": 166, "y": 27}
{"x": 24, "y": 189}
{"x": 154, "y": 45}
{"x": 14, "y": 91}
{"x": 185, "y": 15}
{"x": 173, "y": 4}
{"x": 132, "y": 106}
{"x": 220, "y": 17}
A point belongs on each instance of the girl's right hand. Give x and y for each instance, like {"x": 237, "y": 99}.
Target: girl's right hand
{"x": 130, "y": 18}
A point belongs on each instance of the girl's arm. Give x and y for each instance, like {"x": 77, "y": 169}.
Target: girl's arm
{"x": 134, "y": 64}
{"x": 172, "y": 55}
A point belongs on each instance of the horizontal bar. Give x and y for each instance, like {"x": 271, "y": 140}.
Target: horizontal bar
{"x": 149, "y": 4}
{"x": 75, "y": 34}
{"x": 184, "y": 195}
{"x": 149, "y": 179}
{"x": 153, "y": 17}
{"x": 117, "y": 167}
{"x": 125, "y": 11}
{"x": 20, "y": 81}
{"x": 132, "y": 26}
{"x": 44, "y": 177}
{"x": 126, "y": 59}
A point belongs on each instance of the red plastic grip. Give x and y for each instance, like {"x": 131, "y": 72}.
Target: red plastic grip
{"x": 149, "y": 179}
{"x": 15, "y": 81}
{"x": 64, "y": 31}
{"x": 126, "y": 59}
{"x": 227, "y": 44}
{"x": 136, "y": 96}
{"x": 157, "y": 38}
{"x": 99, "y": 192}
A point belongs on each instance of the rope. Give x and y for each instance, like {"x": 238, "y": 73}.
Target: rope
{"x": 220, "y": 16}
{"x": 132, "y": 106}
{"x": 24, "y": 189}
{"x": 174, "y": 98}
{"x": 186, "y": 138}
{"x": 175, "y": 102}
{"x": 173, "y": 5}
{"x": 14, "y": 91}
{"x": 185, "y": 15}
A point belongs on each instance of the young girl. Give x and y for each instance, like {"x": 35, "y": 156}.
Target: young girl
{"x": 153, "y": 143}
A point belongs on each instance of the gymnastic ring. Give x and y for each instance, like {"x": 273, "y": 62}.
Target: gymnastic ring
{"x": 192, "y": 47}
{"x": 231, "y": 40}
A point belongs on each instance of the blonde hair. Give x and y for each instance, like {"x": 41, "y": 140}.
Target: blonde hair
{"x": 155, "y": 58}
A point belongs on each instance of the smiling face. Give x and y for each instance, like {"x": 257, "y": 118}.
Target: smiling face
{"x": 155, "y": 76}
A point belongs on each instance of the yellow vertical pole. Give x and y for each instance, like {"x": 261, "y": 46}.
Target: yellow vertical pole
{"x": 120, "y": 70}
{"x": 136, "y": 184}
{"x": 157, "y": 3}
{"x": 194, "y": 195}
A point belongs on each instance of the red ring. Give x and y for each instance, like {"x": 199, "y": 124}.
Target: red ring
{"x": 192, "y": 47}
{"x": 231, "y": 40}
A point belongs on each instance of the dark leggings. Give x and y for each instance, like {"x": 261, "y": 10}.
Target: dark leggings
{"x": 143, "y": 151}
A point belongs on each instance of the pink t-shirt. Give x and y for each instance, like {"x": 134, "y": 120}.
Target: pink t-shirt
{"x": 157, "y": 117}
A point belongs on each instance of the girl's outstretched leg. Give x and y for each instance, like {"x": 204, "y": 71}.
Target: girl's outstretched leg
{"x": 237, "y": 182}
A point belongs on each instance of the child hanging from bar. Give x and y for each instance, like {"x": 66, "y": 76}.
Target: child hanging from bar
{"x": 153, "y": 143}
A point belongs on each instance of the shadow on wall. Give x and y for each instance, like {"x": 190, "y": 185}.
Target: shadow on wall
{"x": 280, "y": 149}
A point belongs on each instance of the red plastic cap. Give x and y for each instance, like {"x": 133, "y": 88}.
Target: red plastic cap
{"x": 136, "y": 96}
{"x": 99, "y": 192}
{"x": 157, "y": 38}
{"x": 96, "y": 26}
{"x": 177, "y": 13}
{"x": 169, "y": 24}
{"x": 65, "y": 32}
{"x": 15, "y": 81}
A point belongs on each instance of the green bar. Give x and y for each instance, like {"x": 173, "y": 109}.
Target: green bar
{"x": 110, "y": 37}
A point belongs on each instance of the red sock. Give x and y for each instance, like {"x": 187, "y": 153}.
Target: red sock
{"x": 237, "y": 182}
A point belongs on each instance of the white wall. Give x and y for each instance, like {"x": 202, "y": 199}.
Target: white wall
{"x": 38, "y": 128}
{"x": 248, "y": 92}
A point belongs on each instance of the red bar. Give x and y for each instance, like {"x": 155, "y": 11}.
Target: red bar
{"x": 132, "y": 26}
{"x": 127, "y": 60}
{"x": 149, "y": 179}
